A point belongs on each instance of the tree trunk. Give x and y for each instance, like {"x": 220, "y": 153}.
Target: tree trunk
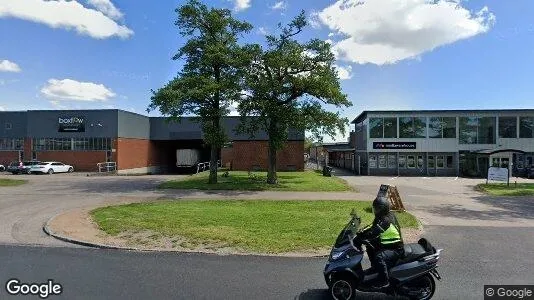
{"x": 272, "y": 178}
{"x": 213, "y": 164}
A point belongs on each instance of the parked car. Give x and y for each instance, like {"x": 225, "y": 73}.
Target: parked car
{"x": 530, "y": 172}
{"x": 51, "y": 167}
{"x": 17, "y": 168}
{"x": 2, "y": 168}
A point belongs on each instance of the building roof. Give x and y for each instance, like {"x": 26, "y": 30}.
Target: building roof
{"x": 363, "y": 115}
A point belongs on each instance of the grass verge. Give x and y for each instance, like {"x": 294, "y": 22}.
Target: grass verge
{"x": 11, "y": 182}
{"x": 501, "y": 189}
{"x": 253, "y": 226}
{"x": 308, "y": 181}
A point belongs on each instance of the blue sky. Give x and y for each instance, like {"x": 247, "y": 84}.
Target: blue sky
{"x": 393, "y": 54}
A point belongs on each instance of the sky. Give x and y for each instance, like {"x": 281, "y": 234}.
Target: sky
{"x": 391, "y": 54}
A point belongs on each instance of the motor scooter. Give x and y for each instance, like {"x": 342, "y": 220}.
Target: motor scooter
{"x": 412, "y": 276}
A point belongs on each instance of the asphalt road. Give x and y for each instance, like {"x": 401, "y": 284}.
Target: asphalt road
{"x": 473, "y": 256}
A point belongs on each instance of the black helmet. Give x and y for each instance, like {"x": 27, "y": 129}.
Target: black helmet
{"x": 381, "y": 206}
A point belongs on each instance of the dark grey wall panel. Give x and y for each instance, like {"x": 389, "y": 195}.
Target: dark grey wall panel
{"x": 13, "y": 124}
{"x": 188, "y": 129}
{"x": 98, "y": 123}
{"x": 131, "y": 125}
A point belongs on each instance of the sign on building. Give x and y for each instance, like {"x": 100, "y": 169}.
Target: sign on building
{"x": 394, "y": 145}
{"x": 71, "y": 124}
{"x": 498, "y": 174}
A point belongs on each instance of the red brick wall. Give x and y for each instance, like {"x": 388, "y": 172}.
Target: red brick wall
{"x": 249, "y": 154}
{"x": 81, "y": 160}
{"x": 136, "y": 153}
{"x": 227, "y": 155}
{"x": 6, "y": 157}
{"x": 27, "y": 148}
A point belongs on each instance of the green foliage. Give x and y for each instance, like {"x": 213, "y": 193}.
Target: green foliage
{"x": 502, "y": 189}
{"x": 11, "y": 182}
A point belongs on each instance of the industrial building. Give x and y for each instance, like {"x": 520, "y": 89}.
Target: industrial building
{"x": 437, "y": 143}
{"x": 134, "y": 142}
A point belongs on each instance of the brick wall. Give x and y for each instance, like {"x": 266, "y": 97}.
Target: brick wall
{"x": 136, "y": 153}
{"x": 6, "y": 157}
{"x": 227, "y": 156}
{"x": 81, "y": 160}
{"x": 249, "y": 155}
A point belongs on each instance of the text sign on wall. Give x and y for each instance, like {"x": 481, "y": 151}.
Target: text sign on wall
{"x": 71, "y": 124}
{"x": 394, "y": 145}
{"x": 498, "y": 174}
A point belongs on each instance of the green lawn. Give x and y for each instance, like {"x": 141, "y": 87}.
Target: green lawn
{"x": 11, "y": 182}
{"x": 257, "y": 181}
{"x": 257, "y": 226}
{"x": 501, "y": 189}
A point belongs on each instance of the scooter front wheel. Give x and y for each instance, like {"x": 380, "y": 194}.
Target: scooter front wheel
{"x": 342, "y": 288}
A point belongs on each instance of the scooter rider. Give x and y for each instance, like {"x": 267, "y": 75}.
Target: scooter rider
{"x": 385, "y": 235}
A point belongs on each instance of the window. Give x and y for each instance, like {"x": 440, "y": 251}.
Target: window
{"x": 431, "y": 162}
{"x": 382, "y": 162}
{"x": 402, "y": 161}
{"x": 410, "y": 127}
{"x": 439, "y": 127}
{"x": 526, "y": 127}
{"x": 449, "y": 161}
{"x": 440, "y": 162}
{"x": 520, "y": 161}
{"x": 11, "y": 143}
{"x": 390, "y": 127}
{"x": 507, "y": 127}
{"x": 8, "y": 126}
{"x": 68, "y": 144}
{"x": 420, "y": 162}
{"x": 392, "y": 161}
{"x": 477, "y": 130}
{"x": 376, "y": 127}
{"x": 372, "y": 161}
{"x": 411, "y": 161}
{"x": 495, "y": 162}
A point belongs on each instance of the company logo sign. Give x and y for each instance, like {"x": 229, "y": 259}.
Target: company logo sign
{"x": 394, "y": 145}
{"x": 71, "y": 124}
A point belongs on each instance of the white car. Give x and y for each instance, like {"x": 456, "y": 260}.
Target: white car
{"x": 2, "y": 168}
{"x": 51, "y": 167}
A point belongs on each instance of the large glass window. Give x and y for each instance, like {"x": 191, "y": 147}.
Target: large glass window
{"x": 390, "y": 127}
{"x": 11, "y": 143}
{"x": 376, "y": 127}
{"x": 406, "y": 127}
{"x": 475, "y": 130}
{"x": 411, "y": 161}
{"x": 440, "y": 162}
{"x": 68, "y": 144}
{"x": 507, "y": 127}
{"x": 449, "y": 162}
{"x": 526, "y": 127}
{"x": 431, "y": 162}
{"x": 392, "y": 161}
{"x": 439, "y": 127}
{"x": 410, "y": 127}
{"x": 420, "y": 161}
{"x": 372, "y": 161}
{"x": 449, "y": 127}
{"x": 435, "y": 129}
{"x": 402, "y": 161}
{"x": 382, "y": 161}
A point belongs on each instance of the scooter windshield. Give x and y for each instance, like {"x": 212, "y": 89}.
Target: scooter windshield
{"x": 349, "y": 231}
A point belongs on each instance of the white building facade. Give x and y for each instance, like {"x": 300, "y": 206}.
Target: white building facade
{"x": 443, "y": 143}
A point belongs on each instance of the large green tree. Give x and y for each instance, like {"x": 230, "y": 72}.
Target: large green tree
{"x": 211, "y": 77}
{"x": 289, "y": 85}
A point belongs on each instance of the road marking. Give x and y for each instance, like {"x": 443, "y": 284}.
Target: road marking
{"x": 456, "y": 178}
{"x": 393, "y": 178}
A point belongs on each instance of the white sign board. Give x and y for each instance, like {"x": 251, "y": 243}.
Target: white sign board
{"x": 498, "y": 174}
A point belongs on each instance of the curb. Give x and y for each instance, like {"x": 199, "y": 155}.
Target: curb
{"x": 50, "y": 232}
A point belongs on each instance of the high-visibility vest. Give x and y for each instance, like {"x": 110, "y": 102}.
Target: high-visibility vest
{"x": 390, "y": 235}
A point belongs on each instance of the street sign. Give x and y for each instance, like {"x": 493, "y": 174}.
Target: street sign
{"x": 498, "y": 174}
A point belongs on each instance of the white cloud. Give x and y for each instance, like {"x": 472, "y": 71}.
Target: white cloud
{"x": 107, "y": 8}
{"x": 344, "y": 73}
{"x": 387, "y": 31}
{"x": 67, "y": 15}
{"x": 263, "y": 31}
{"x": 57, "y": 104}
{"x": 68, "y": 89}
{"x": 8, "y": 66}
{"x": 240, "y": 5}
{"x": 233, "y": 109}
{"x": 279, "y": 5}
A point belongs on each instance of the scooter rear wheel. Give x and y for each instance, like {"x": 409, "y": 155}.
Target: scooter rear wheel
{"x": 422, "y": 288}
{"x": 342, "y": 288}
